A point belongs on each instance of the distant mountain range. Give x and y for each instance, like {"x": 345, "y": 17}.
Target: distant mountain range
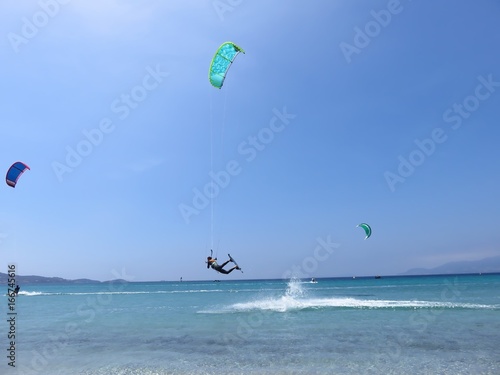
{"x": 47, "y": 280}
{"x": 486, "y": 265}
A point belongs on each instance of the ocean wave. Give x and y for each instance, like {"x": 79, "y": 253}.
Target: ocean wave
{"x": 295, "y": 298}
{"x": 287, "y": 303}
{"x": 24, "y": 293}
{"x": 35, "y": 293}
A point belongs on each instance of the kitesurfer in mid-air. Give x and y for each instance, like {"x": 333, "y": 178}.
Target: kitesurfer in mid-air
{"x": 212, "y": 262}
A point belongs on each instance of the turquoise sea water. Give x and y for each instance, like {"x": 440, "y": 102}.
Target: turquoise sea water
{"x": 392, "y": 325}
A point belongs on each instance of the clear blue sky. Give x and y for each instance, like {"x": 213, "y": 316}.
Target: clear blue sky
{"x": 358, "y": 86}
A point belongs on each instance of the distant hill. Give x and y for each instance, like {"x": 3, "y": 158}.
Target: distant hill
{"x": 486, "y": 265}
{"x": 44, "y": 280}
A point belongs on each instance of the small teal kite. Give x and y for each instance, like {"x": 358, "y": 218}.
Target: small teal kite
{"x": 367, "y": 229}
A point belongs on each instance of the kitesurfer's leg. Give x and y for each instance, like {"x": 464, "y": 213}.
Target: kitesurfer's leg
{"x": 232, "y": 269}
{"x": 226, "y": 262}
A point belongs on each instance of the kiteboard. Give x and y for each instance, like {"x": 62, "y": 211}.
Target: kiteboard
{"x": 232, "y": 260}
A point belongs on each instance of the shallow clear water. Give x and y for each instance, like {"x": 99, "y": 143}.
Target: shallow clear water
{"x": 393, "y": 325}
